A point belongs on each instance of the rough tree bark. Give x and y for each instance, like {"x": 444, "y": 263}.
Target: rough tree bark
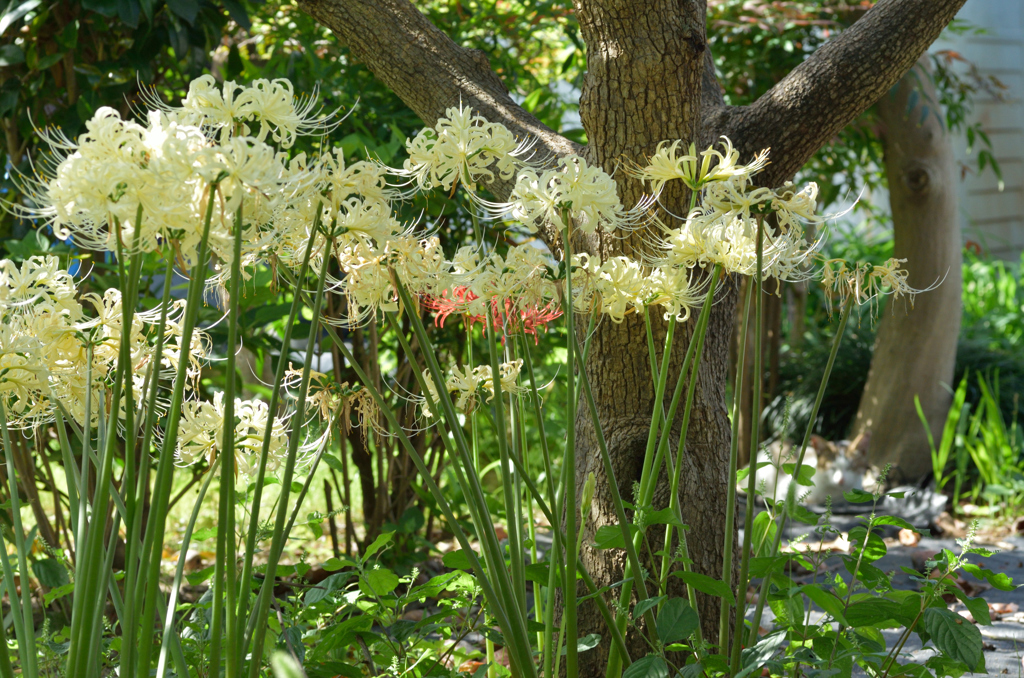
{"x": 915, "y": 351}
{"x": 651, "y": 77}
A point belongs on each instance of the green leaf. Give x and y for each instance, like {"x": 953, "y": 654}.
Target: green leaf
{"x": 457, "y": 560}
{"x": 872, "y": 611}
{"x": 333, "y": 462}
{"x": 955, "y": 637}
{"x": 827, "y": 601}
{"x": 50, "y": 573}
{"x": 806, "y": 475}
{"x": 187, "y": 10}
{"x": 588, "y": 642}
{"x": 856, "y": 496}
{"x": 978, "y": 607}
{"x": 12, "y": 15}
{"x": 204, "y": 534}
{"x": 610, "y": 537}
{"x": 651, "y": 666}
{"x": 893, "y": 520}
{"x": 873, "y": 549}
{"x": 380, "y": 542}
{"x": 676, "y": 621}
{"x": 647, "y": 604}
{"x": 57, "y": 593}
{"x": 411, "y": 521}
{"x": 326, "y": 587}
{"x": 706, "y": 584}
{"x": 379, "y": 582}
{"x": 335, "y": 564}
{"x": 999, "y": 580}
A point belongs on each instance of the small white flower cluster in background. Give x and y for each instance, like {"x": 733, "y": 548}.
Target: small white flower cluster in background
{"x": 467, "y": 382}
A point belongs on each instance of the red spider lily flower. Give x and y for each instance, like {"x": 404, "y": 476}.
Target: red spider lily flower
{"x": 508, "y": 317}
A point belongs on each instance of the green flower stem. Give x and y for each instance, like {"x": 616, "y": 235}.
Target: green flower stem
{"x": 156, "y": 525}
{"x": 513, "y": 518}
{"x": 490, "y": 595}
{"x": 225, "y": 574}
{"x": 730, "y": 501}
{"x": 93, "y": 586}
{"x": 21, "y": 609}
{"x": 6, "y": 668}
{"x": 179, "y": 570}
{"x": 278, "y": 538}
{"x": 516, "y": 634}
{"x": 791, "y": 493}
{"x": 755, "y": 434}
{"x": 133, "y": 585}
{"x": 569, "y": 610}
{"x": 699, "y": 336}
{"x": 245, "y": 579}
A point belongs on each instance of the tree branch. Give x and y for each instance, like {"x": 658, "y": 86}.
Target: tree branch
{"x": 424, "y": 67}
{"x": 836, "y": 84}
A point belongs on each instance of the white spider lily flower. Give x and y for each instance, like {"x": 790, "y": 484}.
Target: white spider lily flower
{"x": 466, "y": 383}
{"x": 696, "y": 172}
{"x": 228, "y": 109}
{"x": 201, "y": 435}
{"x": 462, "y": 147}
{"x": 587, "y": 194}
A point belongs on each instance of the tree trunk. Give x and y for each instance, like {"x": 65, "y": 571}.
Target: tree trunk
{"x": 915, "y": 351}
{"x": 643, "y": 84}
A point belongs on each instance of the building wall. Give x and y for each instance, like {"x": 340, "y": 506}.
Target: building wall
{"x": 994, "y": 218}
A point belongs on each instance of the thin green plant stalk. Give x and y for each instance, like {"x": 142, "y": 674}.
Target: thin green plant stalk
{"x": 277, "y": 540}
{"x": 93, "y": 587}
{"x": 179, "y": 569}
{"x": 653, "y": 470}
{"x": 490, "y": 594}
{"x": 755, "y": 434}
{"x": 21, "y": 609}
{"x": 512, "y": 518}
{"x": 6, "y": 668}
{"x": 791, "y": 492}
{"x": 730, "y": 501}
{"x": 82, "y": 518}
{"x": 515, "y": 634}
{"x": 225, "y": 586}
{"x": 130, "y": 630}
{"x": 569, "y": 610}
{"x": 699, "y": 336}
{"x": 245, "y": 580}
{"x": 155, "y": 525}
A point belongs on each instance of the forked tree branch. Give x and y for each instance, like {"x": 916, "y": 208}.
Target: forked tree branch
{"x": 424, "y": 67}
{"x": 837, "y": 83}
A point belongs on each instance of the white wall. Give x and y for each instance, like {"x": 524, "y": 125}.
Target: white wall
{"x": 992, "y": 218}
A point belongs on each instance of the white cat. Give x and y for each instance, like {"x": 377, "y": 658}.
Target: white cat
{"x": 839, "y": 467}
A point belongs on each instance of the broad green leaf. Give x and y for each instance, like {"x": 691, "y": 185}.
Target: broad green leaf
{"x": 647, "y": 604}
{"x": 588, "y": 642}
{"x": 999, "y": 580}
{"x": 610, "y": 537}
{"x": 457, "y": 560}
{"x": 379, "y": 582}
{"x": 893, "y": 520}
{"x": 978, "y": 607}
{"x": 651, "y": 666}
{"x": 50, "y": 573}
{"x": 872, "y": 611}
{"x": 955, "y": 637}
{"x": 706, "y": 584}
{"x": 326, "y": 587}
{"x": 806, "y": 475}
{"x": 676, "y": 621}
{"x": 380, "y": 542}
{"x": 827, "y": 601}
{"x": 856, "y": 496}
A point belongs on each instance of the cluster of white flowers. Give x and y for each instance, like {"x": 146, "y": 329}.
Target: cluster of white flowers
{"x": 466, "y": 383}
{"x": 226, "y": 154}
{"x": 201, "y": 431}
{"x": 46, "y": 338}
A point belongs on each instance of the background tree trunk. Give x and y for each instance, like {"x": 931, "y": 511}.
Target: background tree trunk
{"x": 915, "y": 351}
